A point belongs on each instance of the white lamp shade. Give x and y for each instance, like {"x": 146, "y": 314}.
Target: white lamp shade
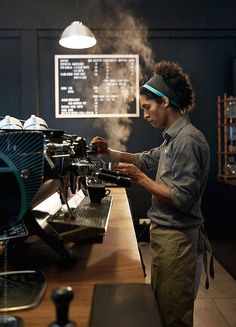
{"x": 35, "y": 123}
{"x": 10, "y": 123}
{"x": 77, "y": 36}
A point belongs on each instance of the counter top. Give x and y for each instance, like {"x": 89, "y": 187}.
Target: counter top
{"x": 115, "y": 260}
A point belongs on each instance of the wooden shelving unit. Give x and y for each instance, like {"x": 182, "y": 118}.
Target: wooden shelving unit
{"x": 226, "y": 138}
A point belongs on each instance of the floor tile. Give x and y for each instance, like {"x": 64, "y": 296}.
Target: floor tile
{"x": 206, "y": 314}
{"x": 222, "y": 288}
{"x": 228, "y": 309}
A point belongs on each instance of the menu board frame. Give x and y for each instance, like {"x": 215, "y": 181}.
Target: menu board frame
{"x": 58, "y": 97}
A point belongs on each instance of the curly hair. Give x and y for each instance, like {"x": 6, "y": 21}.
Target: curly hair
{"x": 178, "y": 83}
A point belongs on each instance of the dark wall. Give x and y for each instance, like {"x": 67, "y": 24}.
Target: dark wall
{"x": 200, "y": 36}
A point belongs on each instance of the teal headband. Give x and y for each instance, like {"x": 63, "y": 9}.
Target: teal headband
{"x": 150, "y": 88}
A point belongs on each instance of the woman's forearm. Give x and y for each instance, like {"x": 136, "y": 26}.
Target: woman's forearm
{"x": 121, "y": 156}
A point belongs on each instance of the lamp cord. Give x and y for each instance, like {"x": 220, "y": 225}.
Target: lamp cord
{"x": 76, "y": 10}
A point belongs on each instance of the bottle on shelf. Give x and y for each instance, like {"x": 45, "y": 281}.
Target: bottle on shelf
{"x": 231, "y": 166}
{"x": 231, "y": 110}
{"x": 231, "y": 119}
{"x": 226, "y": 107}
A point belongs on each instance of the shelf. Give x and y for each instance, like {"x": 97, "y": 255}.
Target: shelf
{"x": 227, "y": 100}
{"x": 227, "y": 124}
{"x": 233, "y": 176}
{"x": 226, "y": 148}
{"x": 227, "y": 152}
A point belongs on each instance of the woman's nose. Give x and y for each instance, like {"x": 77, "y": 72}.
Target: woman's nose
{"x": 146, "y": 114}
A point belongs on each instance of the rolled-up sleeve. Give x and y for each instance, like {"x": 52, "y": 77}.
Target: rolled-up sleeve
{"x": 148, "y": 159}
{"x": 186, "y": 173}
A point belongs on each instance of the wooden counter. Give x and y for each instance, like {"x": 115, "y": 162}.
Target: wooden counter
{"x": 115, "y": 260}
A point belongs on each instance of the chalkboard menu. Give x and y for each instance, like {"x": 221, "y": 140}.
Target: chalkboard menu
{"x": 88, "y": 86}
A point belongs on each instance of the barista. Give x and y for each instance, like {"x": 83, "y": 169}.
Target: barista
{"x": 181, "y": 162}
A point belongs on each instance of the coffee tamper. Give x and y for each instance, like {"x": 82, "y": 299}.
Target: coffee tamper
{"x": 61, "y": 297}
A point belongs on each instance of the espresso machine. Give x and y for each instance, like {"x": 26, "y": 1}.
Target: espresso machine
{"x": 35, "y": 165}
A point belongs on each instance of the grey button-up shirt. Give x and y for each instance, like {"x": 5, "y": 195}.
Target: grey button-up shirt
{"x": 182, "y": 163}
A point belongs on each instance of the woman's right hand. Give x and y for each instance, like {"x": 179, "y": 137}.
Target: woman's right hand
{"x": 101, "y": 145}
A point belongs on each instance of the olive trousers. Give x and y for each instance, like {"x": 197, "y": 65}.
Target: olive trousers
{"x": 174, "y": 255}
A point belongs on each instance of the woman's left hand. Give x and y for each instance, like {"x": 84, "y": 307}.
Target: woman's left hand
{"x": 134, "y": 173}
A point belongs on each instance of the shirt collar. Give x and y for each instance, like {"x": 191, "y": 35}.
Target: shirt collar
{"x": 174, "y": 129}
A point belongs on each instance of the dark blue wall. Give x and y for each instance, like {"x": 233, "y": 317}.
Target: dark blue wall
{"x": 200, "y": 36}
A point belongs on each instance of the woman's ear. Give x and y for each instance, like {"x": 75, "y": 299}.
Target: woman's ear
{"x": 165, "y": 102}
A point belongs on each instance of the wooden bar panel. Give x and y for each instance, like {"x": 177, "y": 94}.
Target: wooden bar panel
{"x": 115, "y": 260}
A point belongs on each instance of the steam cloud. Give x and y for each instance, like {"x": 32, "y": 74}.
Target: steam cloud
{"x": 129, "y": 35}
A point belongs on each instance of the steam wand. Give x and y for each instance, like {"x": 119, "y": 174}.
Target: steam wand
{"x": 52, "y": 166}
{"x": 65, "y": 199}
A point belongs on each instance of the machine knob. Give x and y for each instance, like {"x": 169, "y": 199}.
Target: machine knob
{"x": 62, "y": 297}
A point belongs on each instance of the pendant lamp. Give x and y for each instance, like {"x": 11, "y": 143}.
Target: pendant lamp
{"x": 77, "y": 36}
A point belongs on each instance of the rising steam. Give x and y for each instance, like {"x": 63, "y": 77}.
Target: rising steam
{"x": 128, "y": 35}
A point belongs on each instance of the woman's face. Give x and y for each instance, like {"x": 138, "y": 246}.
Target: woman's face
{"x": 156, "y": 114}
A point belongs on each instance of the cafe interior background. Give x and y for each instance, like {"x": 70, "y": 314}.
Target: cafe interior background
{"x": 200, "y": 36}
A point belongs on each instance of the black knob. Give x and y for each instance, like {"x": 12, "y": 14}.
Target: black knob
{"x": 62, "y": 297}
